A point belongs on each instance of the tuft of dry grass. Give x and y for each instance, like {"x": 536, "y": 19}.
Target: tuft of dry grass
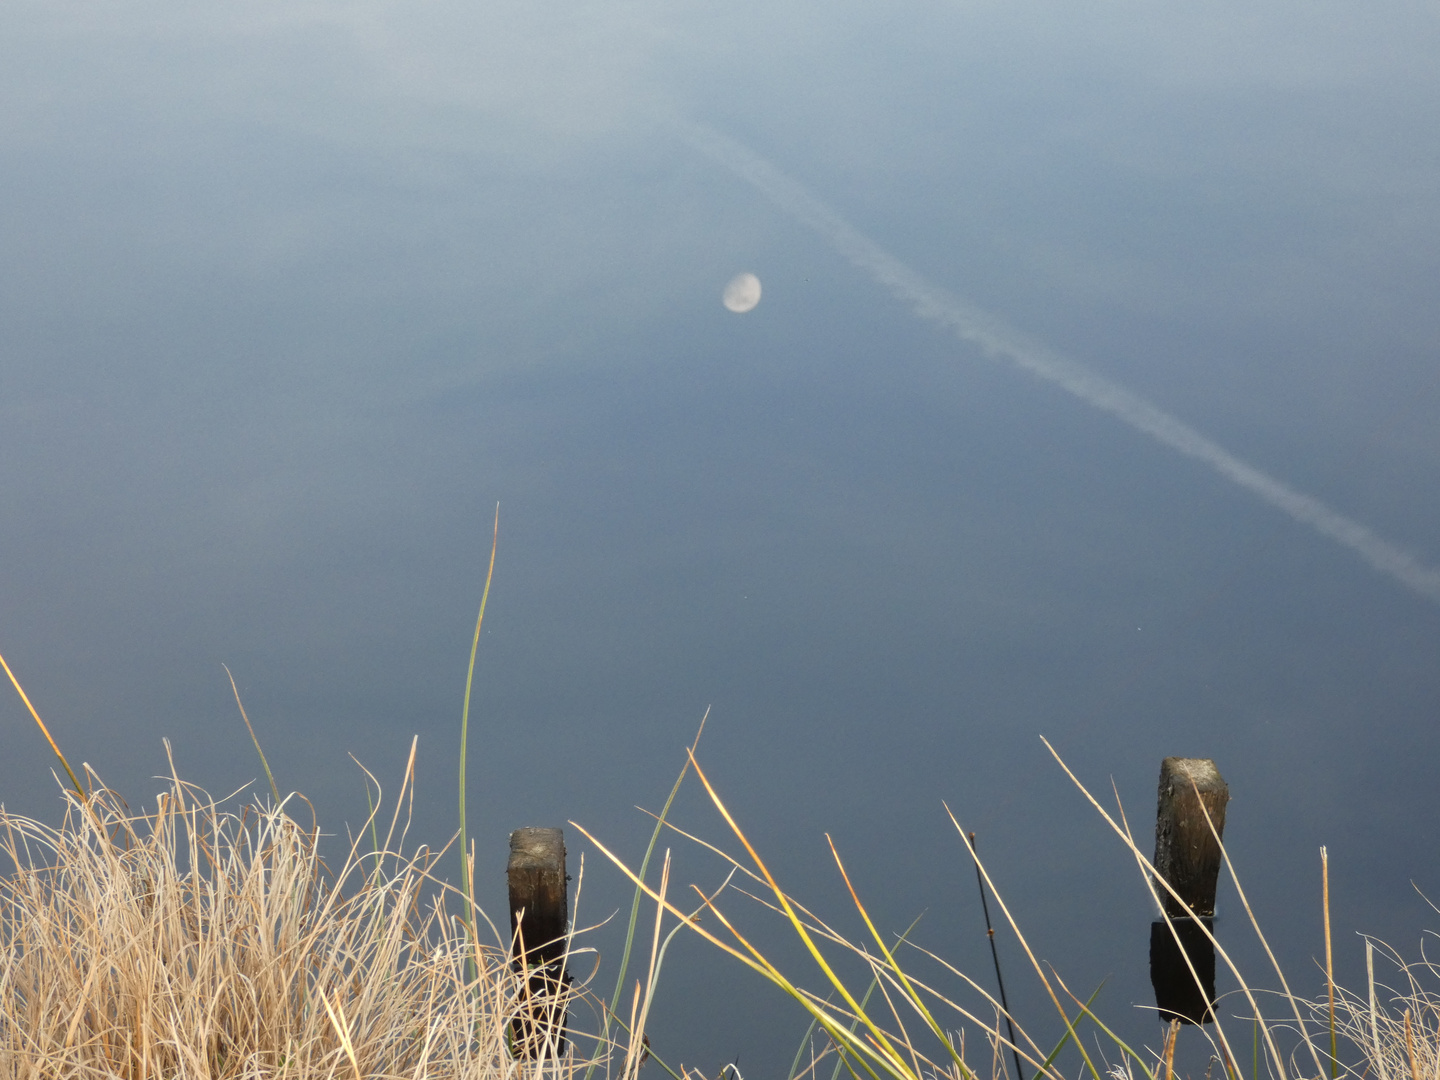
{"x": 1396, "y": 1030}
{"x": 200, "y": 941}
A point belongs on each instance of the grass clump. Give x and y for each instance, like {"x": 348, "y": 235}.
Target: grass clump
{"x": 1397, "y": 1028}
{"x": 200, "y": 940}
{"x": 205, "y": 940}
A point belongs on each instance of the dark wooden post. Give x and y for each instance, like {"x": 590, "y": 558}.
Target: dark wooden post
{"x": 1188, "y": 856}
{"x": 1187, "y": 852}
{"x": 539, "y": 941}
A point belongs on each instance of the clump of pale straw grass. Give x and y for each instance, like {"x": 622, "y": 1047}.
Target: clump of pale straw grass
{"x": 203, "y": 942}
{"x": 200, "y": 941}
{"x": 1396, "y": 1030}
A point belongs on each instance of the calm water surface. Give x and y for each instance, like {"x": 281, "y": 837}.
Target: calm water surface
{"x": 293, "y": 296}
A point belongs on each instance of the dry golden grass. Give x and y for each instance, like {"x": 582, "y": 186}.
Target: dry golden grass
{"x": 196, "y": 941}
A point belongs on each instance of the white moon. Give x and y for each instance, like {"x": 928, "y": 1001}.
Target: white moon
{"x": 742, "y": 294}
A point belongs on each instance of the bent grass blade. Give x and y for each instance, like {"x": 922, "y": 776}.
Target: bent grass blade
{"x": 466, "y": 871}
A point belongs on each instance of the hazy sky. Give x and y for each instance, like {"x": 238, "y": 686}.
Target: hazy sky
{"x": 294, "y": 293}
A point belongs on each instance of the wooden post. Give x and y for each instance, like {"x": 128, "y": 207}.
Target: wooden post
{"x": 1188, "y": 856}
{"x": 539, "y": 940}
{"x": 1187, "y": 852}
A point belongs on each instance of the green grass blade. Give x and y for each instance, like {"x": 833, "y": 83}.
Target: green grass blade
{"x": 885, "y": 1052}
{"x": 1085, "y": 1010}
{"x": 465, "y": 871}
{"x": 752, "y": 958}
{"x": 804, "y": 1042}
{"x": 864, "y": 1001}
{"x": 916, "y": 1001}
{"x": 1069, "y": 1034}
{"x": 275, "y": 791}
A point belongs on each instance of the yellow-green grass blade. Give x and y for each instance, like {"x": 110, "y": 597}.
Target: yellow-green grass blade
{"x": 878, "y": 1034}
{"x": 995, "y": 1004}
{"x": 43, "y": 729}
{"x": 874, "y": 982}
{"x": 753, "y": 959}
{"x": 1085, "y": 1010}
{"x": 466, "y": 872}
{"x": 1069, "y": 1034}
{"x": 891, "y": 1062}
{"x": 915, "y": 999}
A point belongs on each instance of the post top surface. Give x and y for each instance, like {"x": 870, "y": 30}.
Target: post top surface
{"x": 537, "y": 847}
{"x": 1200, "y": 771}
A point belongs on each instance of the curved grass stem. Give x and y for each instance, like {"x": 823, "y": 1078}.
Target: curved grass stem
{"x": 466, "y": 872}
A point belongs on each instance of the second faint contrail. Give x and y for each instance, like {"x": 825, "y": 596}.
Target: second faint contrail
{"x": 997, "y": 339}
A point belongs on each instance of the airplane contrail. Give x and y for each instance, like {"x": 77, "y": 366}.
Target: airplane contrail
{"x": 997, "y": 339}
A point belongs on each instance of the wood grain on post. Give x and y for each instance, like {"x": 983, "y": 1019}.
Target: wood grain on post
{"x": 1187, "y": 852}
{"x": 1187, "y": 855}
{"x": 539, "y": 927}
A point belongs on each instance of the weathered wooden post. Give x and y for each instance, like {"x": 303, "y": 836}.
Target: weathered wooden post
{"x": 539, "y": 926}
{"x": 1188, "y": 856}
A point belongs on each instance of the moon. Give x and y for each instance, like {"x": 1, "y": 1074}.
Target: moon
{"x": 742, "y": 294}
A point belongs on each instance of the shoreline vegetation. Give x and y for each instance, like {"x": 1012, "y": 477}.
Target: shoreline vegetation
{"x": 207, "y": 939}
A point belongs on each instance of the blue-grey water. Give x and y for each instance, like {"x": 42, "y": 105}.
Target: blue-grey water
{"x": 292, "y": 296}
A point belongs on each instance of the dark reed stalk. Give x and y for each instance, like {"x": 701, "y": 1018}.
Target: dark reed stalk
{"x": 995, "y": 955}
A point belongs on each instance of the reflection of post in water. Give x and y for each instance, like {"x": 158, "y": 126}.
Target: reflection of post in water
{"x": 1187, "y": 855}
